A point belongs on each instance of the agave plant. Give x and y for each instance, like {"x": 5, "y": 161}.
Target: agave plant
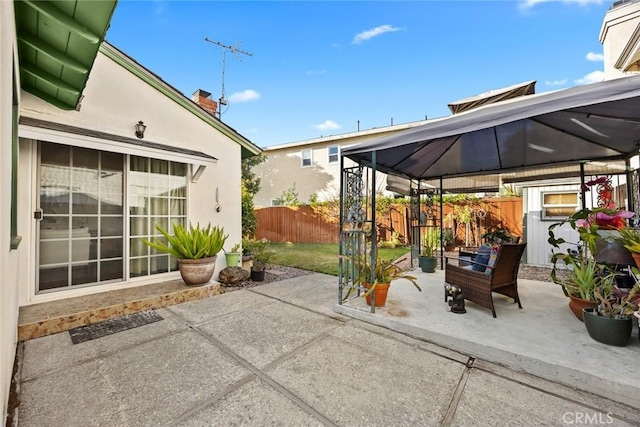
{"x": 192, "y": 243}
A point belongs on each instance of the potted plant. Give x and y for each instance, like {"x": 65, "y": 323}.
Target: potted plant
{"x": 498, "y": 236}
{"x": 598, "y": 230}
{"x": 585, "y": 277}
{"x": 448, "y": 239}
{"x": 378, "y": 279}
{"x": 430, "y": 241}
{"x": 611, "y": 322}
{"x": 233, "y": 256}
{"x": 261, "y": 255}
{"x": 630, "y": 238}
{"x": 195, "y": 248}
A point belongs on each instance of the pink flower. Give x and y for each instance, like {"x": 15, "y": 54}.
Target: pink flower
{"x": 607, "y": 221}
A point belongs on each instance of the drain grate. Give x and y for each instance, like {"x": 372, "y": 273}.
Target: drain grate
{"x": 112, "y": 326}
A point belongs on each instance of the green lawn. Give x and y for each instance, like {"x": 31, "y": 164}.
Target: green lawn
{"x": 319, "y": 257}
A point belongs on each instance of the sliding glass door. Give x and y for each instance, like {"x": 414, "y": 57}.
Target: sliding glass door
{"x": 80, "y": 214}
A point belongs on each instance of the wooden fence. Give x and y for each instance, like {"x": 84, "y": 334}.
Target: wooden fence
{"x": 307, "y": 224}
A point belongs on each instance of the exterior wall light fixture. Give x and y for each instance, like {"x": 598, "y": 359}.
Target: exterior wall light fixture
{"x": 140, "y": 127}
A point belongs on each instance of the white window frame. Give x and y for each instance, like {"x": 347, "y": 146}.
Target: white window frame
{"x": 337, "y": 154}
{"x": 544, "y": 207}
{"x": 303, "y": 158}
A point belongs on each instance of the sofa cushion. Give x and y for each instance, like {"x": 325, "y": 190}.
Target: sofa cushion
{"x": 482, "y": 259}
{"x": 495, "y": 249}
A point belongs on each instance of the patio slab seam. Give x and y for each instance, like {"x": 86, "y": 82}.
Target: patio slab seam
{"x": 186, "y": 415}
{"x": 103, "y": 355}
{"x": 338, "y": 318}
{"x": 560, "y": 396}
{"x": 267, "y": 379}
{"x": 457, "y": 395}
{"x": 553, "y": 372}
{"x": 218, "y": 318}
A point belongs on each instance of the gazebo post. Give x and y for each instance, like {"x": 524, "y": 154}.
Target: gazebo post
{"x": 583, "y": 193}
{"x": 441, "y": 228}
{"x": 374, "y": 231}
{"x": 631, "y": 197}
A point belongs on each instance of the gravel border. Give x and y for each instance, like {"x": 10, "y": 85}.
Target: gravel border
{"x": 279, "y": 272}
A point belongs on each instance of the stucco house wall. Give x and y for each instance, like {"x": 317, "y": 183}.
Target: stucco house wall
{"x": 115, "y": 100}
{"x": 8, "y": 258}
{"x": 620, "y": 38}
{"x": 283, "y": 166}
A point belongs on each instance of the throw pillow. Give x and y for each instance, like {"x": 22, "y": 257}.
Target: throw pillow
{"x": 495, "y": 249}
{"x": 482, "y": 259}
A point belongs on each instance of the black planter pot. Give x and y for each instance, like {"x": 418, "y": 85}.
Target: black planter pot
{"x": 607, "y": 330}
{"x": 428, "y": 265}
{"x": 257, "y": 276}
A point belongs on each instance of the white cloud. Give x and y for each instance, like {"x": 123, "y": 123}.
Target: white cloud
{"x": 561, "y": 82}
{"x": 245, "y": 96}
{"x": 369, "y": 34}
{"x": 528, "y": 4}
{"x": 596, "y": 57}
{"x": 328, "y": 125}
{"x": 592, "y": 77}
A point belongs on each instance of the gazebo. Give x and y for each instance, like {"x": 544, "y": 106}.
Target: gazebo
{"x": 585, "y": 130}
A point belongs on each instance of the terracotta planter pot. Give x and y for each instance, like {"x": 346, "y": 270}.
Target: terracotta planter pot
{"x": 577, "y": 304}
{"x": 381, "y": 290}
{"x": 196, "y": 272}
{"x": 636, "y": 258}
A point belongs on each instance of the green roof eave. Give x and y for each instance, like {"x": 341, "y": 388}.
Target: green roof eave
{"x": 57, "y": 46}
{"x": 248, "y": 148}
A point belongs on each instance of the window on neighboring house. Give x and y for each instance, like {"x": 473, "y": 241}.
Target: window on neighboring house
{"x": 334, "y": 154}
{"x": 276, "y": 202}
{"x": 559, "y": 205}
{"x": 306, "y": 157}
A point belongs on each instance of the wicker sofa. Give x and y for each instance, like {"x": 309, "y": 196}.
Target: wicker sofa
{"x": 477, "y": 286}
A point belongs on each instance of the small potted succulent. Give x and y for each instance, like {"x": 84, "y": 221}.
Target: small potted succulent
{"x": 233, "y": 256}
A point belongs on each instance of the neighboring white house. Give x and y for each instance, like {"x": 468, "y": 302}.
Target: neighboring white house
{"x": 312, "y": 167}
{"x": 620, "y": 38}
{"x": 79, "y": 188}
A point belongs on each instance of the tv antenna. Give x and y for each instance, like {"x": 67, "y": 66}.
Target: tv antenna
{"x": 236, "y": 52}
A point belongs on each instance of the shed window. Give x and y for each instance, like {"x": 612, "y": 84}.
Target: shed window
{"x": 306, "y": 157}
{"x": 559, "y": 205}
{"x": 334, "y": 152}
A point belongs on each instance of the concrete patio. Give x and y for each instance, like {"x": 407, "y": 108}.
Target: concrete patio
{"x": 544, "y": 338}
{"x": 278, "y": 354}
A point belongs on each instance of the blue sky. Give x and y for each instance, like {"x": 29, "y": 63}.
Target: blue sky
{"x": 320, "y": 67}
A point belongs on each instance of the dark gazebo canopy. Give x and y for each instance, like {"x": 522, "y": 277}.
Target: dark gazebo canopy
{"x": 533, "y": 137}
